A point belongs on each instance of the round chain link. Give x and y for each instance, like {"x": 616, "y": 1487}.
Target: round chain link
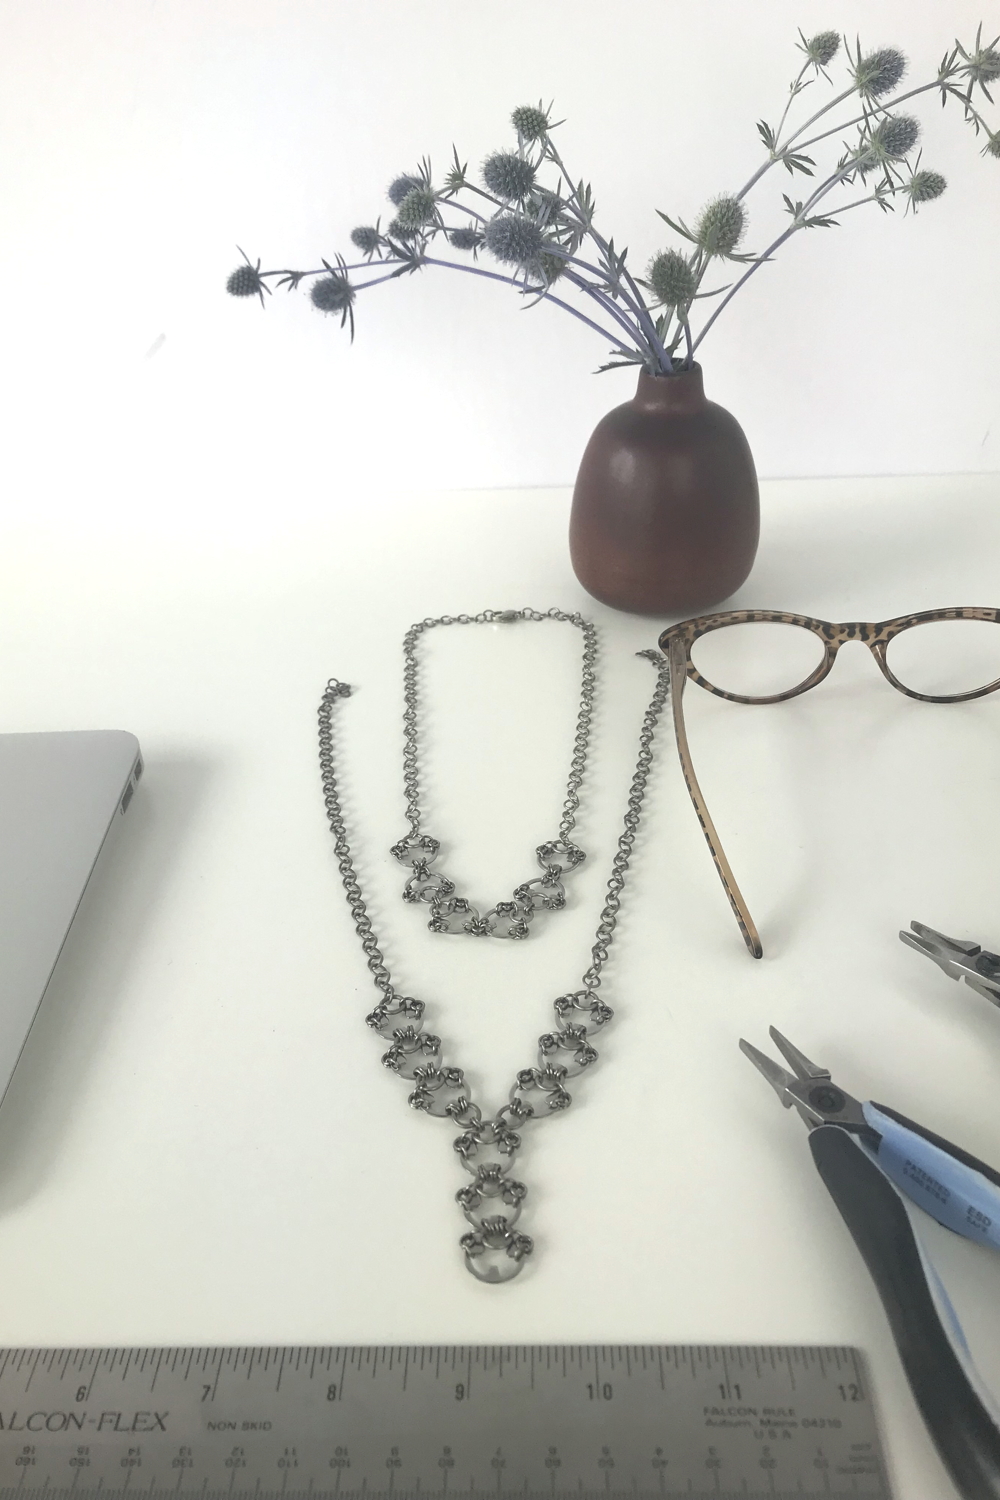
{"x": 451, "y": 913}
{"x": 494, "y": 1250}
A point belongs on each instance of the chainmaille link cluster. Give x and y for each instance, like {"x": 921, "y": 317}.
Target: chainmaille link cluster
{"x": 495, "y": 1249}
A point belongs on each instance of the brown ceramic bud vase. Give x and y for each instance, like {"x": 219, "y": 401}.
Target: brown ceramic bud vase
{"x": 665, "y": 515}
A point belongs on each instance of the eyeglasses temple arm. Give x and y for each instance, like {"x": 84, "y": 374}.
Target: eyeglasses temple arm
{"x": 678, "y": 677}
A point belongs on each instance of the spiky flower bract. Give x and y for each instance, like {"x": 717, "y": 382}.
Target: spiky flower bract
{"x": 530, "y": 123}
{"x": 465, "y": 237}
{"x": 895, "y": 137}
{"x": 417, "y": 208}
{"x": 513, "y": 240}
{"x": 822, "y": 48}
{"x": 992, "y": 147}
{"x": 397, "y": 230}
{"x": 508, "y": 175}
{"x": 245, "y": 281}
{"x": 400, "y": 186}
{"x": 332, "y": 294}
{"x": 366, "y": 238}
{"x": 924, "y": 186}
{"x": 721, "y": 225}
{"x": 671, "y": 278}
{"x": 878, "y": 72}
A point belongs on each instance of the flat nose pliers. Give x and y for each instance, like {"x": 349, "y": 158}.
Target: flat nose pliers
{"x": 876, "y": 1165}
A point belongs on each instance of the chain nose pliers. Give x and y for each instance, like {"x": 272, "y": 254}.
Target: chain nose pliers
{"x": 877, "y": 1165}
{"x": 958, "y": 959}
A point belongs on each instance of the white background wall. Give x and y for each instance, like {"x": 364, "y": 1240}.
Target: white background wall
{"x": 142, "y": 139}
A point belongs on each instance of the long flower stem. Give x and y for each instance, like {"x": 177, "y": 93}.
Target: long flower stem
{"x": 642, "y": 311}
{"x": 776, "y": 156}
{"x": 451, "y": 265}
{"x": 859, "y": 119}
{"x": 361, "y": 265}
{"x": 597, "y": 293}
{"x": 842, "y": 208}
{"x": 609, "y": 307}
{"x": 793, "y": 94}
{"x": 360, "y": 285}
{"x": 820, "y": 192}
{"x": 830, "y": 104}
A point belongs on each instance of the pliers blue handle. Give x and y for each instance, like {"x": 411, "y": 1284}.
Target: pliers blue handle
{"x": 876, "y": 1164}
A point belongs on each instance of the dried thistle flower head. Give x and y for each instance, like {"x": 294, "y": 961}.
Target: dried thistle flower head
{"x": 530, "y": 123}
{"x": 895, "y": 137}
{"x": 397, "y": 230}
{"x": 366, "y": 238}
{"x": 924, "y": 186}
{"x": 878, "y": 72}
{"x": 508, "y": 175}
{"x": 417, "y": 208}
{"x": 822, "y": 48}
{"x": 400, "y": 186}
{"x": 992, "y": 147}
{"x": 332, "y": 294}
{"x": 514, "y": 240}
{"x": 982, "y": 66}
{"x": 245, "y": 282}
{"x": 721, "y": 225}
{"x": 671, "y": 278}
{"x": 465, "y": 237}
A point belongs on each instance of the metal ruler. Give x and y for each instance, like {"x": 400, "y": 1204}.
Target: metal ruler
{"x": 518, "y": 1422}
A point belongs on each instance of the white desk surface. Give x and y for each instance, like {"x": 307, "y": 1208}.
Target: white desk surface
{"x": 200, "y": 1146}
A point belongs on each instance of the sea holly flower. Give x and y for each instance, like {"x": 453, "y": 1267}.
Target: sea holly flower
{"x": 879, "y": 72}
{"x": 894, "y": 137}
{"x": 981, "y": 65}
{"x": 509, "y": 176}
{"x": 246, "y": 281}
{"x": 923, "y": 187}
{"x": 822, "y": 48}
{"x": 417, "y": 208}
{"x": 332, "y": 294}
{"x": 721, "y": 225}
{"x": 513, "y": 239}
{"x": 365, "y": 238}
{"x": 530, "y": 123}
{"x": 466, "y": 237}
{"x": 397, "y": 230}
{"x": 671, "y": 279}
{"x": 400, "y": 186}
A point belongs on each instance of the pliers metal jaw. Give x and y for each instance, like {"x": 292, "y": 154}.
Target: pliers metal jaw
{"x": 809, "y": 1088}
{"x": 958, "y": 959}
{"x": 877, "y": 1165}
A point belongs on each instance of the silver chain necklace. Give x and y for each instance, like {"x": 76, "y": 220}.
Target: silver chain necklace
{"x": 494, "y": 1249}
{"x": 557, "y": 857}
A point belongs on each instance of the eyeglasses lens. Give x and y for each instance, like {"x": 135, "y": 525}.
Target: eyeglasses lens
{"x": 945, "y": 658}
{"x": 757, "y": 658}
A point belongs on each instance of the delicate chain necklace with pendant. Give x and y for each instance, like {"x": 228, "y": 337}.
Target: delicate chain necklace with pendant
{"x": 495, "y": 1250}
{"x": 558, "y": 856}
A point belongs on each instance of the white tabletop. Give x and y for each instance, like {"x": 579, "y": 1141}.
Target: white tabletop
{"x": 200, "y": 1145}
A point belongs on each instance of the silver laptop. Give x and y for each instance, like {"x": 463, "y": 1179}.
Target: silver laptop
{"x": 60, "y": 795}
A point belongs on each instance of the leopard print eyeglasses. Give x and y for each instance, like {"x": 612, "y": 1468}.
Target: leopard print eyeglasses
{"x": 933, "y": 656}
